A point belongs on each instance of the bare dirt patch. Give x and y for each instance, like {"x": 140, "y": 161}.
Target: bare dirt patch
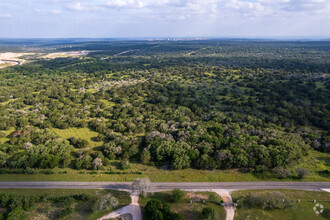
{"x": 11, "y": 59}
{"x": 66, "y": 54}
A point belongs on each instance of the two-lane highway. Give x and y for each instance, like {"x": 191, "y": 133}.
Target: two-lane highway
{"x": 164, "y": 186}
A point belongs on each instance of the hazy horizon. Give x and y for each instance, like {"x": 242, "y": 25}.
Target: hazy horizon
{"x": 268, "y": 19}
{"x": 183, "y": 38}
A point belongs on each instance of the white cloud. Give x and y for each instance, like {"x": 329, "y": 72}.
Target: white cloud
{"x": 170, "y": 17}
{"x": 56, "y": 12}
{"x": 76, "y": 6}
{"x": 308, "y": 5}
{"x": 48, "y": 12}
{"x": 6, "y": 15}
{"x": 125, "y": 4}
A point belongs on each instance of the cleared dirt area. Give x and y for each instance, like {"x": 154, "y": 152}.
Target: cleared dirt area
{"x": 11, "y": 59}
{"x": 66, "y": 54}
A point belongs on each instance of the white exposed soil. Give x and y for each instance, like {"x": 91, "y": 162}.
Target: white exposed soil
{"x": 133, "y": 209}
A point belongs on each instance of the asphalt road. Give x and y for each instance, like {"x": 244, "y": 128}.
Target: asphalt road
{"x": 164, "y": 186}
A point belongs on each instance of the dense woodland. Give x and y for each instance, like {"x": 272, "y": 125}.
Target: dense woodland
{"x": 259, "y": 105}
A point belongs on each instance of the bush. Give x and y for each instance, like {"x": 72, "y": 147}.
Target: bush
{"x": 215, "y": 198}
{"x": 124, "y": 164}
{"x": 78, "y": 142}
{"x": 282, "y": 173}
{"x": 2, "y": 134}
{"x": 145, "y": 157}
{"x": 207, "y": 212}
{"x": 65, "y": 212}
{"x": 177, "y": 195}
{"x": 152, "y": 209}
{"x": 175, "y": 216}
{"x": 16, "y": 214}
{"x": 48, "y": 172}
{"x": 106, "y": 202}
{"x": 302, "y": 172}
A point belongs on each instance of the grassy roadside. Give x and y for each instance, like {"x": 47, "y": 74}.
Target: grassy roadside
{"x": 155, "y": 175}
{"x": 302, "y": 209}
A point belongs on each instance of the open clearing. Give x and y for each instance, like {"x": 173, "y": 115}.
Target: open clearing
{"x": 83, "y": 133}
{"x": 11, "y": 59}
{"x": 66, "y": 54}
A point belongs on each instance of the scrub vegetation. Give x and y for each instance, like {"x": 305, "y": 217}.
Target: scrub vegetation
{"x": 235, "y": 110}
{"x": 59, "y": 204}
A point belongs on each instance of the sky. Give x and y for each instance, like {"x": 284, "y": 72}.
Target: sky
{"x": 164, "y": 18}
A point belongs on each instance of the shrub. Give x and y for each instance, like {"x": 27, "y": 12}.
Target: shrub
{"x": 124, "y": 164}
{"x": 145, "y": 156}
{"x": 152, "y": 210}
{"x": 207, "y": 212}
{"x": 16, "y": 213}
{"x": 2, "y": 134}
{"x": 177, "y": 195}
{"x": 64, "y": 200}
{"x": 175, "y": 216}
{"x": 215, "y": 198}
{"x": 78, "y": 142}
{"x": 106, "y": 202}
{"x": 64, "y": 212}
{"x": 282, "y": 173}
{"x": 302, "y": 172}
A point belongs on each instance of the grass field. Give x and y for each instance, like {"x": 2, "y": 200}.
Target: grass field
{"x": 303, "y": 209}
{"x": 81, "y": 209}
{"x": 84, "y": 133}
{"x": 7, "y": 132}
{"x": 190, "y": 211}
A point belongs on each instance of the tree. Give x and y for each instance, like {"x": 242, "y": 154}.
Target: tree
{"x": 152, "y": 210}
{"x": 145, "y": 157}
{"x": 111, "y": 150}
{"x": 177, "y": 195}
{"x": 141, "y": 186}
{"x": 180, "y": 162}
{"x": 106, "y": 202}
{"x": 97, "y": 163}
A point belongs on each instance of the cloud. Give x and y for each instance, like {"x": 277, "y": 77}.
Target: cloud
{"x": 124, "y": 4}
{"x": 6, "y": 15}
{"x": 48, "y": 12}
{"x": 279, "y": 8}
{"x": 76, "y": 6}
{"x": 133, "y": 18}
{"x": 55, "y": 12}
{"x": 308, "y": 5}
